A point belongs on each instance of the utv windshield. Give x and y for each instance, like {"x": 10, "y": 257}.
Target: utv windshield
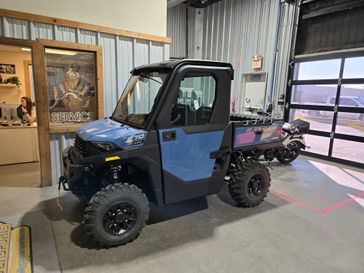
{"x": 136, "y": 103}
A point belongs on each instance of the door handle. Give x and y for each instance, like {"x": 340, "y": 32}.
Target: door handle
{"x": 169, "y": 135}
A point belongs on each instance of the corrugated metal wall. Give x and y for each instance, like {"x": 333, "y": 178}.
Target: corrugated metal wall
{"x": 120, "y": 55}
{"x": 235, "y": 30}
{"x": 286, "y": 30}
{"x": 176, "y": 29}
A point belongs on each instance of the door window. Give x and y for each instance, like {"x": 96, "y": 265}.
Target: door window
{"x": 194, "y": 101}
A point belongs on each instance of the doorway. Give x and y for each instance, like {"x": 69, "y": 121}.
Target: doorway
{"x": 254, "y": 88}
{"x": 328, "y": 92}
{"x": 19, "y": 157}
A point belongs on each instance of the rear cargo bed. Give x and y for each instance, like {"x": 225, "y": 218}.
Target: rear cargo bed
{"x": 256, "y": 133}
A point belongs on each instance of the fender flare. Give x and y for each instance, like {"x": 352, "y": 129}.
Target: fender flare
{"x": 300, "y": 140}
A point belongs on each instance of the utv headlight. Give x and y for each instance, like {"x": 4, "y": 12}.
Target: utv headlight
{"x": 104, "y": 146}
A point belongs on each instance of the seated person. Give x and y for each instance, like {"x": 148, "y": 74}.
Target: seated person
{"x": 26, "y": 111}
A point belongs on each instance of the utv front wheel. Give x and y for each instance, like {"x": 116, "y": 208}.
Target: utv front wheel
{"x": 249, "y": 184}
{"x": 116, "y": 215}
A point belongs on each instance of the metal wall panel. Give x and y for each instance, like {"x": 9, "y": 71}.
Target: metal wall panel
{"x": 141, "y": 52}
{"x": 41, "y": 31}
{"x": 234, "y": 31}
{"x": 65, "y": 34}
{"x": 156, "y": 52}
{"x": 109, "y": 69}
{"x": 87, "y": 37}
{"x": 15, "y": 28}
{"x": 141, "y": 56}
{"x": 288, "y": 13}
{"x": 120, "y": 55}
{"x": 58, "y": 143}
{"x": 176, "y": 29}
{"x": 166, "y": 51}
{"x": 125, "y": 61}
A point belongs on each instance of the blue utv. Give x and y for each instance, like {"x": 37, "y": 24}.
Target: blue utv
{"x": 170, "y": 138}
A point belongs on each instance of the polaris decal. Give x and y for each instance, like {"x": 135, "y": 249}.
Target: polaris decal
{"x": 255, "y": 135}
{"x": 135, "y": 139}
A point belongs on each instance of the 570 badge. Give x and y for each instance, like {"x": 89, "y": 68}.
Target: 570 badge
{"x": 135, "y": 139}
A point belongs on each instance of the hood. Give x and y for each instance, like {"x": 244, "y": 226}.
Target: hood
{"x": 108, "y": 130}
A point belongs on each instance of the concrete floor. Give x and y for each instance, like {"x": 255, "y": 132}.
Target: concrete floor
{"x": 312, "y": 221}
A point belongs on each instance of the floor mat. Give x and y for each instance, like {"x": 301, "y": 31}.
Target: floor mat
{"x": 15, "y": 249}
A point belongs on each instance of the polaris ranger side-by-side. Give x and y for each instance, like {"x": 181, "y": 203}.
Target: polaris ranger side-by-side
{"x": 171, "y": 138}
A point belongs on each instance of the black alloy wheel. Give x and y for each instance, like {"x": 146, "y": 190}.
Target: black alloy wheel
{"x": 120, "y": 218}
{"x": 249, "y": 183}
{"x": 256, "y": 186}
{"x": 116, "y": 214}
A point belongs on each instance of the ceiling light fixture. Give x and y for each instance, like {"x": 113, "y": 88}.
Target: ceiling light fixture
{"x": 60, "y": 52}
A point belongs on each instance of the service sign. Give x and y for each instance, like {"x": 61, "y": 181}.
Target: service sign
{"x": 61, "y": 117}
{"x": 71, "y": 86}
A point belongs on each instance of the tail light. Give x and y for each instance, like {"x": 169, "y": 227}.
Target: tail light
{"x": 280, "y": 131}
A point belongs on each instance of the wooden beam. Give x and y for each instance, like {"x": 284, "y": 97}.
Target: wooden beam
{"x": 69, "y": 45}
{"x": 67, "y": 128}
{"x": 41, "y": 98}
{"x": 28, "y": 93}
{"x": 80, "y": 25}
{"x": 16, "y": 42}
{"x": 99, "y": 85}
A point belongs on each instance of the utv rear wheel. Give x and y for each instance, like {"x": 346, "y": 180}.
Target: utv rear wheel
{"x": 249, "y": 184}
{"x": 116, "y": 215}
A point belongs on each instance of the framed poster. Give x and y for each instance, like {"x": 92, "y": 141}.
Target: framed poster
{"x": 7, "y": 68}
{"x": 72, "y": 88}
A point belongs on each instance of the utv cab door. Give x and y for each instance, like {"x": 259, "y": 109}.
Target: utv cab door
{"x": 192, "y": 126}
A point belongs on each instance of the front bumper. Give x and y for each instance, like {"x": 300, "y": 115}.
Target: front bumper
{"x": 73, "y": 173}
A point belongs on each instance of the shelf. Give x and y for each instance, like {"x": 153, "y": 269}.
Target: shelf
{"x": 7, "y": 85}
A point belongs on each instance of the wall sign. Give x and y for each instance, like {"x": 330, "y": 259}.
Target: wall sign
{"x": 71, "y": 86}
{"x": 7, "y": 68}
{"x": 257, "y": 61}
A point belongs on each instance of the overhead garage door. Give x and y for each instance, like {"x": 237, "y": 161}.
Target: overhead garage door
{"x": 326, "y": 85}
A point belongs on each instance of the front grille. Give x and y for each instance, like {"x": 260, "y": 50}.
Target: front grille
{"x": 80, "y": 145}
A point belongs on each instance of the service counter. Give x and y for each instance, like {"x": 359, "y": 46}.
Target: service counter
{"x": 19, "y": 144}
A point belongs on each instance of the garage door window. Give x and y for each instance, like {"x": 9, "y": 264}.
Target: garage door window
{"x": 330, "y": 95}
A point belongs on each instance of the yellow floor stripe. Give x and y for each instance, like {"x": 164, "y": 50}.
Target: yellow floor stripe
{"x": 20, "y": 250}
{"x": 5, "y": 231}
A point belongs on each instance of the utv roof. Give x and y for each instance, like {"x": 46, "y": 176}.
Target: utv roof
{"x": 171, "y": 64}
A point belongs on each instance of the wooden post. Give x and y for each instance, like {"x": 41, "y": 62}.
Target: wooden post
{"x": 41, "y": 98}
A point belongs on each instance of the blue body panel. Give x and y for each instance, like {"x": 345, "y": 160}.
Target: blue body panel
{"x": 188, "y": 156}
{"x": 108, "y": 130}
